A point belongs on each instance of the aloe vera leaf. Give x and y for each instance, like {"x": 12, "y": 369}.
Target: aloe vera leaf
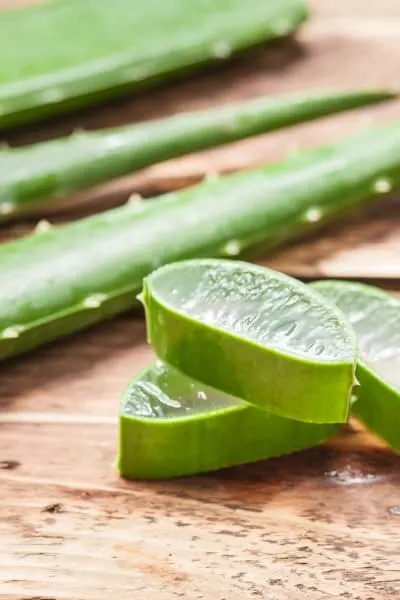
{"x": 76, "y": 53}
{"x": 51, "y": 170}
{"x": 170, "y": 425}
{"x": 254, "y": 333}
{"x": 65, "y": 279}
{"x": 375, "y": 316}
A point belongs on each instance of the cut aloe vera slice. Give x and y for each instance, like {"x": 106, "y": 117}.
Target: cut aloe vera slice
{"x": 253, "y": 333}
{"x": 375, "y": 316}
{"x": 171, "y": 425}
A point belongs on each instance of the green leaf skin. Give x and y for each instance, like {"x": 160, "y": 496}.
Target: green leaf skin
{"x": 63, "y": 280}
{"x": 170, "y": 425}
{"x": 245, "y": 329}
{"x": 375, "y": 316}
{"x": 77, "y": 53}
{"x": 39, "y": 174}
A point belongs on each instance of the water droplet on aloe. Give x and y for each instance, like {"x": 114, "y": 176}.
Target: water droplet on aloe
{"x": 351, "y": 476}
{"x": 319, "y": 348}
{"x": 150, "y": 401}
{"x": 382, "y": 185}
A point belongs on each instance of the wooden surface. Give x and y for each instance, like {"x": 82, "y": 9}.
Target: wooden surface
{"x": 319, "y": 525}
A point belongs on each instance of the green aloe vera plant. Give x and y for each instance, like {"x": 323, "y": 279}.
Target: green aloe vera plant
{"x": 64, "y": 279}
{"x": 170, "y": 425}
{"x": 76, "y": 53}
{"x": 37, "y": 174}
{"x": 254, "y": 333}
{"x": 375, "y": 316}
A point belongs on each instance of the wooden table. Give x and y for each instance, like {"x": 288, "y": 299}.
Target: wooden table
{"x": 322, "y": 524}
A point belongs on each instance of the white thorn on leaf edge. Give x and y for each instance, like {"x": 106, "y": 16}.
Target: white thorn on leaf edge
{"x": 43, "y": 226}
{"x": 94, "y": 300}
{"x": 12, "y": 332}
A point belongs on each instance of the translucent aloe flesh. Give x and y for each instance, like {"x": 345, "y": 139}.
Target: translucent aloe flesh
{"x": 48, "y": 171}
{"x": 170, "y": 425}
{"x": 253, "y": 333}
{"x": 375, "y": 316}
{"x": 65, "y": 279}
{"x": 76, "y": 53}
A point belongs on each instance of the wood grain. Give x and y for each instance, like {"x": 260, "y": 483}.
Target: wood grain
{"x": 321, "y": 524}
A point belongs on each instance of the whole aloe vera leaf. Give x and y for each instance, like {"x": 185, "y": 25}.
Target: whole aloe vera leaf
{"x": 170, "y": 425}
{"x": 32, "y": 175}
{"x": 63, "y": 280}
{"x": 375, "y": 316}
{"x": 76, "y": 53}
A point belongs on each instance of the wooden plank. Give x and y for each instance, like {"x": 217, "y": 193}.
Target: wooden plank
{"x": 321, "y": 524}
{"x": 283, "y": 528}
